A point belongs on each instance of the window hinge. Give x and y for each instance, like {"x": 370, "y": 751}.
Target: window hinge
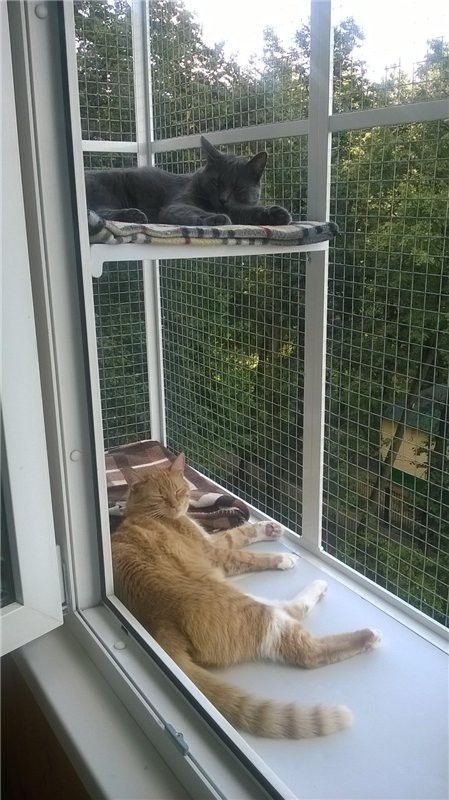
{"x": 178, "y": 739}
{"x": 62, "y": 581}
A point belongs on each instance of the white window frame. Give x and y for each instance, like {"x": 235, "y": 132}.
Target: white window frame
{"x": 38, "y": 608}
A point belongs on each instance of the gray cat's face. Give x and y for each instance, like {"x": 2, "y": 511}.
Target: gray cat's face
{"x": 228, "y": 180}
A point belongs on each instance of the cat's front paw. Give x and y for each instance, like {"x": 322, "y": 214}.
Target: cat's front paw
{"x": 373, "y": 638}
{"x": 276, "y": 215}
{"x": 287, "y": 561}
{"x": 267, "y": 531}
{"x": 133, "y": 215}
{"x": 217, "y": 219}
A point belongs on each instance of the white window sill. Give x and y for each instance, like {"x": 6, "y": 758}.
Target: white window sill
{"x": 109, "y": 751}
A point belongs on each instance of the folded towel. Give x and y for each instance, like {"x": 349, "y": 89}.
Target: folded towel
{"x": 104, "y": 231}
{"x": 214, "y": 510}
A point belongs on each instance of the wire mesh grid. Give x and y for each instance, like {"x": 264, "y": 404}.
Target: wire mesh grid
{"x": 105, "y": 69}
{"x": 122, "y": 351}
{"x": 233, "y": 354}
{"x": 198, "y": 89}
{"x": 386, "y": 499}
{"x": 233, "y": 351}
{"x": 105, "y": 80}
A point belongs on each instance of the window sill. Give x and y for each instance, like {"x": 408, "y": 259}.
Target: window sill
{"x": 108, "y": 750}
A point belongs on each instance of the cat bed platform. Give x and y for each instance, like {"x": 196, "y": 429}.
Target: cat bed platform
{"x": 148, "y": 242}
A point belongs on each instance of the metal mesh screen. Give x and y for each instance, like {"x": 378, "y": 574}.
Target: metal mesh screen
{"x": 386, "y": 509}
{"x": 105, "y": 69}
{"x": 122, "y": 351}
{"x": 105, "y": 78}
{"x": 122, "y": 357}
{"x": 197, "y": 89}
{"x": 233, "y": 353}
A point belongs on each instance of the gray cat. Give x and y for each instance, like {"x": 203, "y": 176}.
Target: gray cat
{"x": 225, "y": 191}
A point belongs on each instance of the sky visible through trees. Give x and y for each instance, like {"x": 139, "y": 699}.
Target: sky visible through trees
{"x": 233, "y": 328}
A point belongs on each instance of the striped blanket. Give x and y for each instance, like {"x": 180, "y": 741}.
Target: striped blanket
{"x": 214, "y": 510}
{"x": 102, "y": 231}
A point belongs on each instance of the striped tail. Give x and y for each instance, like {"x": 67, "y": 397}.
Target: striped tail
{"x": 265, "y": 717}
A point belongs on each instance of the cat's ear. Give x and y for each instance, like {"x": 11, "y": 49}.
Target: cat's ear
{"x": 131, "y": 477}
{"x": 209, "y": 151}
{"x": 256, "y": 165}
{"x": 179, "y": 464}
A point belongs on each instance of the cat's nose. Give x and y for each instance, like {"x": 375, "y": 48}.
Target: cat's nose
{"x": 224, "y": 197}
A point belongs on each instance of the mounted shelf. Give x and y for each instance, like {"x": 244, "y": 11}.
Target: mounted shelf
{"x": 151, "y": 242}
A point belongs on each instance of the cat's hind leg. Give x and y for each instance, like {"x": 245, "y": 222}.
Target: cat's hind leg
{"x": 248, "y": 534}
{"x": 285, "y": 640}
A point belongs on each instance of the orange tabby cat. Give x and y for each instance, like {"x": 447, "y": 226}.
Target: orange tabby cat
{"x": 171, "y": 574}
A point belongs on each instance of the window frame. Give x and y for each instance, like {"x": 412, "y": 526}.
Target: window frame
{"x": 37, "y": 608}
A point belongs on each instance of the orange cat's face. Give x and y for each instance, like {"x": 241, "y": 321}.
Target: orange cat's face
{"x": 159, "y": 493}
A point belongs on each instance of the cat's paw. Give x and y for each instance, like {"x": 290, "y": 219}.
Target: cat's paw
{"x": 267, "y": 531}
{"x": 217, "y": 219}
{"x": 276, "y": 215}
{"x": 373, "y": 639}
{"x": 287, "y": 561}
{"x": 318, "y": 589}
{"x": 133, "y": 215}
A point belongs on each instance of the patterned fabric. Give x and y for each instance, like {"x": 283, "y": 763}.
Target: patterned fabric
{"x": 214, "y": 510}
{"x": 102, "y": 231}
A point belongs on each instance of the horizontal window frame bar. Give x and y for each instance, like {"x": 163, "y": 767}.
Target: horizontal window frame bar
{"x": 106, "y": 146}
{"x": 406, "y": 114}
{"x": 252, "y": 133}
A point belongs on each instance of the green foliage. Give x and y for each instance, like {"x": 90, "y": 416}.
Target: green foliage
{"x": 413, "y": 573}
{"x": 233, "y": 329}
{"x": 104, "y": 51}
